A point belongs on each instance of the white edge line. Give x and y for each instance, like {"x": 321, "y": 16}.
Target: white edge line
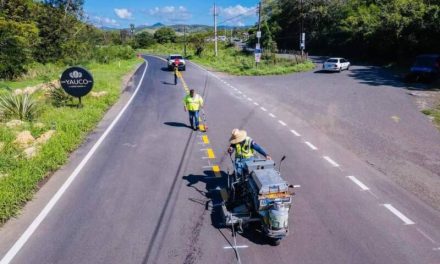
{"x": 359, "y": 183}
{"x": 397, "y": 213}
{"x": 257, "y": 104}
{"x": 332, "y": 162}
{"x": 46, "y": 210}
{"x": 295, "y": 133}
{"x": 264, "y": 109}
{"x": 311, "y": 145}
{"x": 272, "y": 115}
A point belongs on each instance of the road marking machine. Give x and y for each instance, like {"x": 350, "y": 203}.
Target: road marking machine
{"x": 259, "y": 196}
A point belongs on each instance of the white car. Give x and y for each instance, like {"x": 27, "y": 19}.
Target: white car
{"x": 172, "y": 59}
{"x": 336, "y": 64}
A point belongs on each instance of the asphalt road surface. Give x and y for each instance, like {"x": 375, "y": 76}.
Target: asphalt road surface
{"x": 148, "y": 195}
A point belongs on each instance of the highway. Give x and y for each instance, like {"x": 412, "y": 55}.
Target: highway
{"x": 148, "y": 193}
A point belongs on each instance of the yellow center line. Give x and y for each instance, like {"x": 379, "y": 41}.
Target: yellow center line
{"x": 205, "y": 139}
{"x": 202, "y": 127}
{"x": 210, "y": 153}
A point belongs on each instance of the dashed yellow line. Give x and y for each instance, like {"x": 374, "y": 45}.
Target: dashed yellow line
{"x": 210, "y": 153}
{"x": 216, "y": 170}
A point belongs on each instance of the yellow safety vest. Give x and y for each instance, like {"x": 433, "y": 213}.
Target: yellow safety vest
{"x": 244, "y": 151}
{"x": 193, "y": 103}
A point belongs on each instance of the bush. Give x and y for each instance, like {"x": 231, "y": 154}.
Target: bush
{"x": 143, "y": 40}
{"x": 22, "y": 107}
{"x": 59, "y": 97}
{"x": 106, "y": 54}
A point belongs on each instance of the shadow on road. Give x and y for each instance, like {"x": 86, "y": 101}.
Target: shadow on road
{"x": 165, "y": 69}
{"x": 213, "y": 185}
{"x": 177, "y": 124}
{"x": 325, "y": 72}
{"x": 167, "y": 83}
{"x": 377, "y": 76}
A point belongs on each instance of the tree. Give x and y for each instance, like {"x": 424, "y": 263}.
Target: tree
{"x": 165, "y": 35}
{"x": 144, "y": 40}
{"x": 16, "y": 42}
{"x": 198, "y": 40}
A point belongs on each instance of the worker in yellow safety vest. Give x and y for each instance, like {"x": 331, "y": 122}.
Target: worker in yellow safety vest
{"x": 193, "y": 103}
{"x": 244, "y": 148}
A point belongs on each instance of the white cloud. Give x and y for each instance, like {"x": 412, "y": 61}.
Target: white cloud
{"x": 235, "y": 15}
{"x": 171, "y": 13}
{"x": 123, "y": 13}
{"x": 237, "y": 10}
{"x": 104, "y": 21}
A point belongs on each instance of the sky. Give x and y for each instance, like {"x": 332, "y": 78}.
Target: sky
{"x": 120, "y": 14}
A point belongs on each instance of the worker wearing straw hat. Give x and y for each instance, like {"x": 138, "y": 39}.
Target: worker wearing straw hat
{"x": 244, "y": 148}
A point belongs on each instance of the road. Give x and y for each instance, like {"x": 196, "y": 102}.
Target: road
{"x": 148, "y": 194}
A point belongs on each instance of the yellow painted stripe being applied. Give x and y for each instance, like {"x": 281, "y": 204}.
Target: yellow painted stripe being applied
{"x": 205, "y": 139}
{"x": 210, "y": 153}
{"x": 224, "y": 194}
{"x": 202, "y": 127}
{"x": 215, "y": 168}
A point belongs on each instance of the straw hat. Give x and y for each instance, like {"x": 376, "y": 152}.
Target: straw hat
{"x": 238, "y": 136}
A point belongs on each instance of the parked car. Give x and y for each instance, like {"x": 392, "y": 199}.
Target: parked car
{"x": 172, "y": 59}
{"x": 336, "y": 64}
{"x": 426, "y": 68}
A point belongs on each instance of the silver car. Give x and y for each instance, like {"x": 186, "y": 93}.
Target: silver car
{"x": 336, "y": 64}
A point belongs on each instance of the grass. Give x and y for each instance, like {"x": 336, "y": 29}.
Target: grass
{"x": 435, "y": 114}
{"x": 19, "y": 176}
{"x": 235, "y": 62}
{"x": 37, "y": 73}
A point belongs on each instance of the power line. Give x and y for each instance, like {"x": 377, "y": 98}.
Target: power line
{"x": 240, "y": 15}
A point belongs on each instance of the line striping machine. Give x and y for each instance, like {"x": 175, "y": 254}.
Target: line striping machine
{"x": 259, "y": 199}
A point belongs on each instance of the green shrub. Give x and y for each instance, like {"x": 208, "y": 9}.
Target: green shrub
{"x": 59, "y": 97}
{"x": 22, "y": 107}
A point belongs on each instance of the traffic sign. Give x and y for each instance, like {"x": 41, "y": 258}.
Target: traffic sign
{"x": 257, "y": 57}
{"x": 76, "y": 81}
{"x": 258, "y": 34}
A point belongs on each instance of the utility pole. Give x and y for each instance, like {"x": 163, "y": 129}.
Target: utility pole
{"x": 302, "y": 36}
{"x": 184, "y": 37}
{"x": 215, "y": 30}
{"x": 258, "y": 35}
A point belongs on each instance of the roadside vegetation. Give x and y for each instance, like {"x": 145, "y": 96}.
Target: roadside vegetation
{"x": 234, "y": 61}
{"x": 434, "y": 113}
{"x": 379, "y": 31}
{"x": 40, "y": 125}
{"x": 38, "y": 141}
